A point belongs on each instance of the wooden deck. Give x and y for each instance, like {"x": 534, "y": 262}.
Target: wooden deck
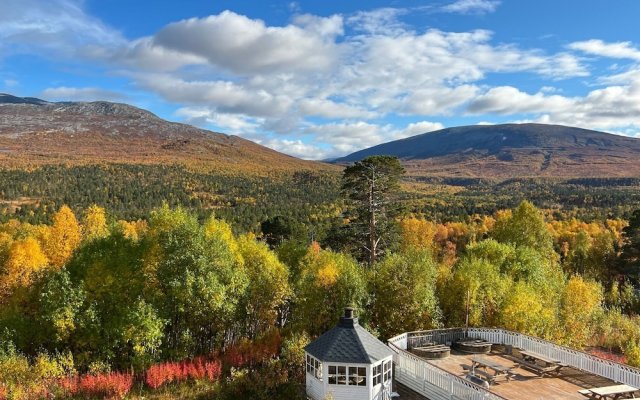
{"x": 526, "y": 385}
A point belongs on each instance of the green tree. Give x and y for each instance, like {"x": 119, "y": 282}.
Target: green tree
{"x": 404, "y": 293}
{"x": 268, "y": 288}
{"x": 328, "y": 282}
{"x": 525, "y": 227}
{"x": 629, "y": 261}
{"x": 370, "y": 186}
{"x": 197, "y": 280}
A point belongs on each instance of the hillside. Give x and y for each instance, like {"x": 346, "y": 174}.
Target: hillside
{"x": 36, "y": 132}
{"x": 513, "y": 151}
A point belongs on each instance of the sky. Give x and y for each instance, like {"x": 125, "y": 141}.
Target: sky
{"x": 321, "y": 79}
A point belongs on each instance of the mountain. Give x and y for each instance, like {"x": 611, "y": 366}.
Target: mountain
{"x": 511, "y": 151}
{"x": 36, "y": 132}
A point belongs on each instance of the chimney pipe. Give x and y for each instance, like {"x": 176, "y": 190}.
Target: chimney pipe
{"x": 348, "y": 312}
{"x": 348, "y": 321}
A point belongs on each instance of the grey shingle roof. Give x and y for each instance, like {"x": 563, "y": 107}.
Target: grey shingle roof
{"x": 348, "y": 342}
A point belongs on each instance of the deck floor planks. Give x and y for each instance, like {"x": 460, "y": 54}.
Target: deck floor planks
{"x": 526, "y": 385}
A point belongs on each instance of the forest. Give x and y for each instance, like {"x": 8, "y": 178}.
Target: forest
{"x": 311, "y": 198}
{"x": 100, "y": 300}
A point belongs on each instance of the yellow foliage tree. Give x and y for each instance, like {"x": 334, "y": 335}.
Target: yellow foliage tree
{"x": 63, "y": 237}
{"x": 24, "y": 261}
{"x": 416, "y": 234}
{"x": 581, "y": 304}
{"x": 94, "y": 223}
{"x": 222, "y": 230}
{"x": 268, "y": 287}
{"x": 133, "y": 230}
{"x": 522, "y": 311}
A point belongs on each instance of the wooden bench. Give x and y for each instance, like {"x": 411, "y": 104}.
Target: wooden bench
{"x": 585, "y": 392}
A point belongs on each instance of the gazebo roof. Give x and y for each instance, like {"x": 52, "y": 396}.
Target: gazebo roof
{"x": 348, "y": 342}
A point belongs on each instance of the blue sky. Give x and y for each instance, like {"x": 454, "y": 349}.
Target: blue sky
{"x": 319, "y": 79}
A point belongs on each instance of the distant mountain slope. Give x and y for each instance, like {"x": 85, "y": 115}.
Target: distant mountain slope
{"x": 34, "y": 131}
{"x": 513, "y": 150}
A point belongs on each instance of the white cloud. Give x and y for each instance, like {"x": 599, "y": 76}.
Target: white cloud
{"x": 417, "y": 128}
{"x": 247, "y": 46}
{"x": 58, "y": 26}
{"x": 612, "y": 50}
{"x": 10, "y": 83}
{"x": 610, "y": 108}
{"x": 64, "y": 93}
{"x": 332, "y": 110}
{"x": 145, "y": 54}
{"x": 296, "y": 148}
{"x": 471, "y": 6}
{"x": 224, "y": 96}
{"x": 226, "y": 123}
{"x": 510, "y": 100}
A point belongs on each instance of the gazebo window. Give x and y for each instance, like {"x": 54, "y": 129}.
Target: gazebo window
{"x": 314, "y": 367}
{"x": 387, "y": 371}
{"x": 352, "y": 376}
{"x": 358, "y": 376}
{"x": 377, "y": 372}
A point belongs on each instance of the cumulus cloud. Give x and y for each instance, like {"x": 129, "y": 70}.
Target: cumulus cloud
{"x": 510, "y": 100}
{"x": 332, "y": 110}
{"x": 417, "y": 128}
{"x": 227, "y": 123}
{"x": 296, "y": 148}
{"x": 612, "y": 50}
{"x": 226, "y": 96}
{"x": 248, "y": 46}
{"x": 471, "y": 6}
{"x": 64, "y": 93}
{"x": 610, "y": 108}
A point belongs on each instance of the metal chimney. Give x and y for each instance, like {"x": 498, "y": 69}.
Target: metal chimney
{"x": 348, "y": 321}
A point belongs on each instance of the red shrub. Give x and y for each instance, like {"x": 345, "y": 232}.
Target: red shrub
{"x": 109, "y": 386}
{"x": 3, "y": 393}
{"x": 250, "y": 354}
{"x": 198, "y": 368}
{"x": 608, "y": 355}
{"x": 69, "y": 385}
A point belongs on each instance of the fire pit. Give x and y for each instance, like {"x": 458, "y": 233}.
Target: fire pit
{"x": 473, "y": 346}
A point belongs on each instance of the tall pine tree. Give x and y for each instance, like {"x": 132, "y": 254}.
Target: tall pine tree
{"x": 370, "y": 187}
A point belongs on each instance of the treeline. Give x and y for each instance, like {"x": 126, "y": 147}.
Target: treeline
{"x": 95, "y": 294}
{"x": 587, "y": 199}
{"x": 312, "y": 199}
{"x": 131, "y": 191}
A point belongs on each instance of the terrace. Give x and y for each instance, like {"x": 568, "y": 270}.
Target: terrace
{"x": 516, "y": 367}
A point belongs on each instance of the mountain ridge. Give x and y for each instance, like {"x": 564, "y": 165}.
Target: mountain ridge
{"x": 36, "y": 132}
{"x": 512, "y": 151}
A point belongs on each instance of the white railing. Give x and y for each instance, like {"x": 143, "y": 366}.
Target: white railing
{"x": 577, "y": 359}
{"x": 431, "y": 381}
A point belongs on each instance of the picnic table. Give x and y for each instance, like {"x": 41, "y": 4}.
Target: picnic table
{"x": 487, "y": 363}
{"x": 530, "y": 361}
{"x": 610, "y": 392}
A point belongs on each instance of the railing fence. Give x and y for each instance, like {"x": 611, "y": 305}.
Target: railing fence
{"x": 436, "y": 383}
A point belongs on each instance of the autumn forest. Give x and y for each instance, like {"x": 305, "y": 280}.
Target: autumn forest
{"x": 144, "y": 291}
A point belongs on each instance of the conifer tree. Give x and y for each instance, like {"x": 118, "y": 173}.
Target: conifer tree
{"x": 370, "y": 187}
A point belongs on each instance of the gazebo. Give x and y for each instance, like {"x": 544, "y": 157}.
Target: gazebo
{"x": 347, "y": 362}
